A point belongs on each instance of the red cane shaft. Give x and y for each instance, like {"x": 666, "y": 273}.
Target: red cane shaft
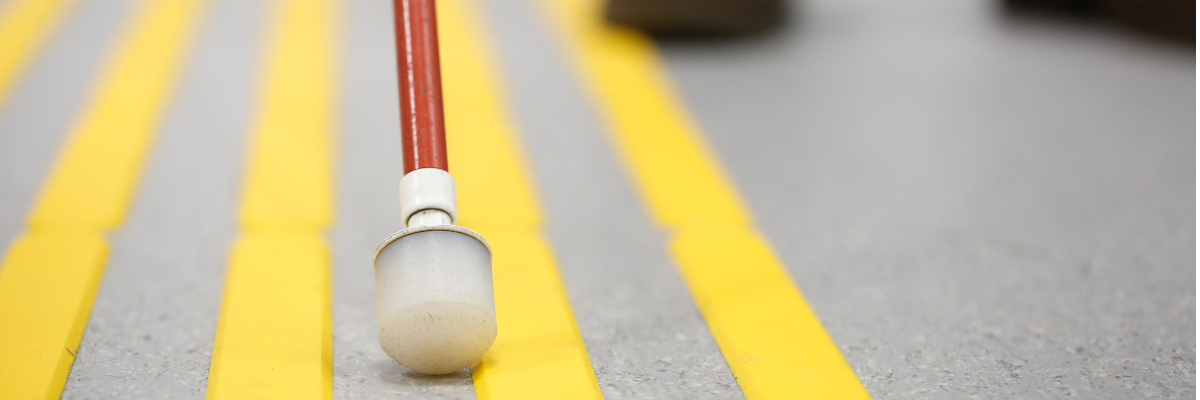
{"x": 423, "y": 129}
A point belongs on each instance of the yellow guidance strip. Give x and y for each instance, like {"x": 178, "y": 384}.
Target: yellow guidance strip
{"x": 50, "y": 274}
{"x": 539, "y": 353}
{"x": 93, "y": 181}
{"x": 24, "y": 26}
{"x": 273, "y": 335}
{"x": 47, "y": 285}
{"x": 773, "y": 342}
{"x": 274, "y": 338}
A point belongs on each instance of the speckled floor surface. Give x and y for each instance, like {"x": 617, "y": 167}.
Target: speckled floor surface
{"x": 976, "y": 205}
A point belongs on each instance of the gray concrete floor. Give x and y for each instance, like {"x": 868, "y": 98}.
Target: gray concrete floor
{"x": 644, "y": 335}
{"x": 977, "y": 206}
{"x": 150, "y": 334}
{"x": 43, "y": 103}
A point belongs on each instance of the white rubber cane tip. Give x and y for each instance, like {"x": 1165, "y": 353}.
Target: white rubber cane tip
{"x": 437, "y": 313}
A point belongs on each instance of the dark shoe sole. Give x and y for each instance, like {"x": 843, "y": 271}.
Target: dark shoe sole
{"x": 696, "y": 17}
{"x": 1172, "y": 18}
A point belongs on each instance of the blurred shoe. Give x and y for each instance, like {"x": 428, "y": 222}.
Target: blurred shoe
{"x": 696, "y": 17}
{"x": 1080, "y": 7}
{"x": 1176, "y": 18}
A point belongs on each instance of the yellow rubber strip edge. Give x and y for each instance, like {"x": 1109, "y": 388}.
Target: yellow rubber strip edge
{"x": 24, "y": 27}
{"x": 50, "y": 274}
{"x": 274, "y": 331}
{"x": 538, "y": 353}
{"x": 773, "y": 342}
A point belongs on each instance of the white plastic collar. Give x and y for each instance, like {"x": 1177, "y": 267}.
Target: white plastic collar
{"x": 426, "y": 189}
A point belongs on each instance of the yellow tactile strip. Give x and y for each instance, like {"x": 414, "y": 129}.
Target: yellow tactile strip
{"x": 24, "y": 27}
{"x": 273, "y": 336}
{"x": 539, "y": 353}
{"x": 51, "y": 272}
{"x": 773, "y": 342}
